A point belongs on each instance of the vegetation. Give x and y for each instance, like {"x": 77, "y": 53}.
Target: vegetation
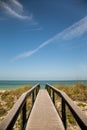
{"x": 76, "y": 92}
{"x": 8, "y": 98}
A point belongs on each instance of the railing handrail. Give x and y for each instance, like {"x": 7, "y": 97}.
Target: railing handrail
{"x": 80, "y": 117}
{"x": 11, "y": 117}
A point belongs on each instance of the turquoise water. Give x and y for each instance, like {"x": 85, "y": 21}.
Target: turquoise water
{"x": 5, "y": 84}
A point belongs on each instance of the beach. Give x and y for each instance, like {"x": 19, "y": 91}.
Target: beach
{"x": 77, "y": 92}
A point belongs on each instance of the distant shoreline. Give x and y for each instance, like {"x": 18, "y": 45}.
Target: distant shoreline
{"x": 13, "y": 84}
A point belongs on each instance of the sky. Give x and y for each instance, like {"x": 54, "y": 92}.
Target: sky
{"x": 43, "y": 40}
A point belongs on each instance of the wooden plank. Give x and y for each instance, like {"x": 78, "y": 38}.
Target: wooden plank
{"x": 44, "y": 115}
{"x": 10, "y": 119}
{"x": 78, "y": 114}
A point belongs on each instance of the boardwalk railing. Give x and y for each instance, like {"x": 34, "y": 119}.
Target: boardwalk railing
{"x": 19, "y": 106}
{"x": 77, "y": 113}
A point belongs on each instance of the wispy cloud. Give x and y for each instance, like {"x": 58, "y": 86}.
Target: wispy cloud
{"x": 77, "y": 29}
{"x": 34, "y": 29}
{"x": 15, "y": 9}
{"x": 17, "y": 3}
{"x": 24, "y": 55}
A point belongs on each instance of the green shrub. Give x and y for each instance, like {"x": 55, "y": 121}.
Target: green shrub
{"x": 3, "y": 111}
{"x": 77, "y": 92}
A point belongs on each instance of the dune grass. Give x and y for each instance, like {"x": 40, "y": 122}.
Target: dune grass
{"x": 77, "y": 92}
{"x": 9, "y": 97}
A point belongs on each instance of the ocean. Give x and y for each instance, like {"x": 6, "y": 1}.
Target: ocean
{"x": 11, "y": 84}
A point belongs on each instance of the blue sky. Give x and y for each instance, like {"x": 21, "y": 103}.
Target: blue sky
{"x": 43, "y": 40}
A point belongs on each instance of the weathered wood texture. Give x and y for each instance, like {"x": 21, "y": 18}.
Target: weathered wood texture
{"x": 44, "y": 115}
{"x": 79, "y": 116}
{"x": 20, "y": 105}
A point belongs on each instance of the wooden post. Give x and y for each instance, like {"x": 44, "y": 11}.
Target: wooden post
{"x": 53, "y": 97}
{"x": 36, "y": 91}
{"x": 64, "y": 113}
{"x": 32, "y": 98}
{"x": 50, "y": 92}
{"x": 46, "y": 87}
{"x": 23, "y": 116}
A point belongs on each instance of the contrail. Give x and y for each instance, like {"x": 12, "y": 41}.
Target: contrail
{"x": 77, "y": 29}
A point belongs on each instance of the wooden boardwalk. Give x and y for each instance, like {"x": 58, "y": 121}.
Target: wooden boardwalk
{"x": 44, "y": 115}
